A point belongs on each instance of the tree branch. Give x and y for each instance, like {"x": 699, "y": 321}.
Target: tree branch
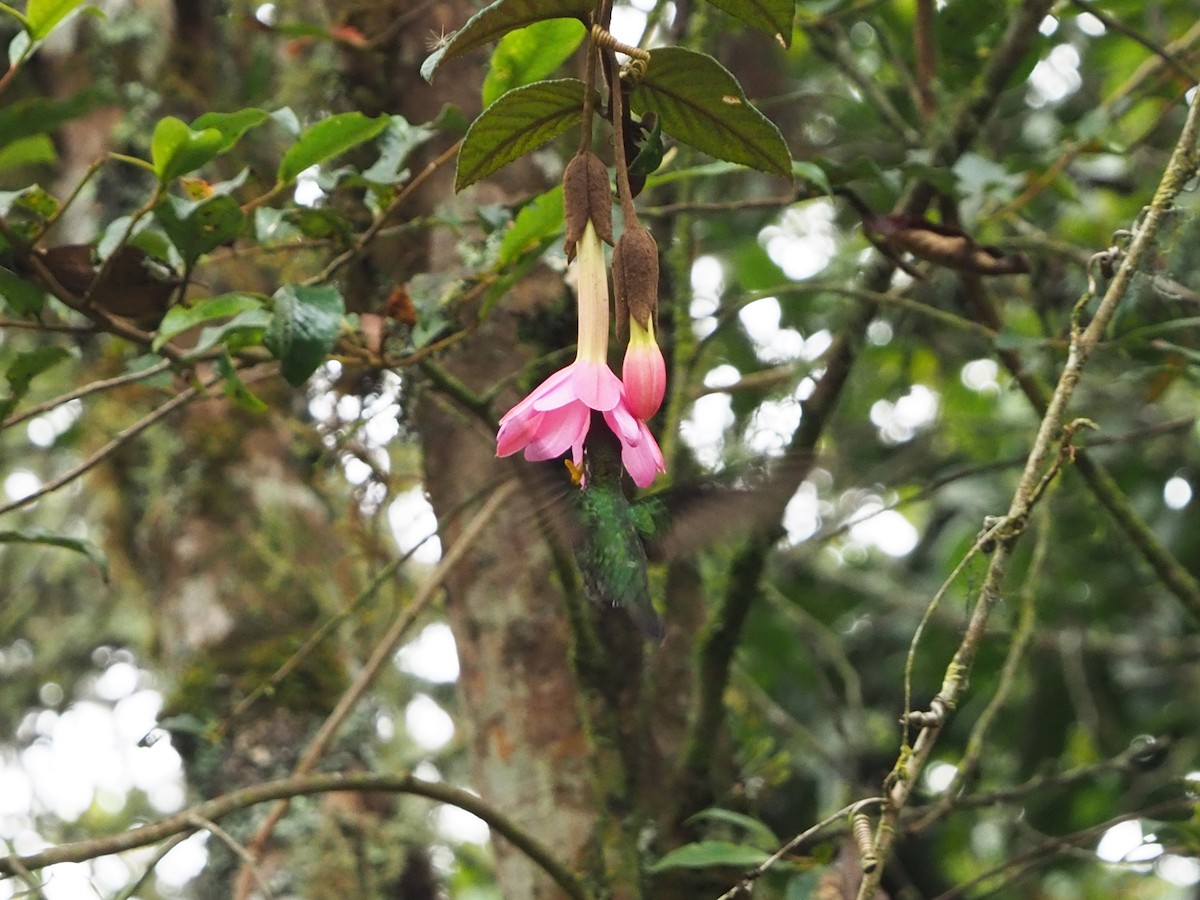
{"x": 1180, "y": 169}
{"x": 285, "y": 789}
{"x": 380, "y": 657}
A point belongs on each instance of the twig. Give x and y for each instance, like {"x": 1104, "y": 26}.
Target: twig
{"x": 1008, "y": 676}
{"x": 829, "y": 40}
{"x": 289, "y": 665}
{"x": 1054, "y": 845}
{"x": 926, "y": 816}
{"x": 1084, "y": 339}
{"x": 765, "y": 866}
{"x": 220, "y": 807}
{"x": 926, "y": 58}
{"x": 380, "y": 657}
{"x": 91, "y": 388}
{"x": 232, "y": 843}
{"x": 368, "y": 235}
{"x": 1115, "y": 24}
{"x": 134, "y": 886}
{"x": 100, "y": 455}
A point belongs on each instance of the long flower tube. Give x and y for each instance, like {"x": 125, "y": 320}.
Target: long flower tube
{"x": 555, "y": 417}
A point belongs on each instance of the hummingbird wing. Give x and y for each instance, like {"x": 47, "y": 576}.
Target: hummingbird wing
{"x": 750, "y": 501}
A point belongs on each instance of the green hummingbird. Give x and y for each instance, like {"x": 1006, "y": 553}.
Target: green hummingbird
{"x": 611, "y": 551}
{"x": 614, "y": 539}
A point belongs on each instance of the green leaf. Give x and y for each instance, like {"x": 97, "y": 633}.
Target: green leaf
{"x": 493, "y": 22}
{"x": 197, "y": 227}
{"x": 399, "y": 139}
{"x": 246, "y": 329}
{"x": 19, "y": 47}
{"x": 813, "y": 174}
{"x": 529, "y": 54}
{"x": 22, "y": 297}
{"x": 326, "y": 139}
{"x": 235, "y": 388}
{"x": 520, "y": 121}
{"x": 320, "y": 222}
{"x": 79, "y": 545}
{"x": 700, "y": 103}
{"x": 758, "y": 832}
{"x": 28, "y": 151}
{"x": 538, "y": 221}
{"x": 176, "y": 150}
{"x": 42, "y": 16}
{"x": 23, "y": 369}
{"x": 704, "y": 854}
{"x": 231, "y": 125}
{"x": 303, "y": 328}
{"x": 224, "y": 306}
{"x": 774, "y": 17}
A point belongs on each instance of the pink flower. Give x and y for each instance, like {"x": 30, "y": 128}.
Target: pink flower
{"x": 556, "y": 415}
{"x": 644, "y": 372}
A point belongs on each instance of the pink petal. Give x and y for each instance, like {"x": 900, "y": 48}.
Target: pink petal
{"x": 644, "y": 460}
{"x": 560, "y": 429}
{"x": 516, "y": 432}
{"x": 596, "y": 385}
{"x": 532, "y": 402}
{"x": 623, "y": 424}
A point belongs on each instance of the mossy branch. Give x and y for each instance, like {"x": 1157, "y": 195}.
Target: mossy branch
{"x": 286, "y": 789}
{"x": 1180, "y": 169}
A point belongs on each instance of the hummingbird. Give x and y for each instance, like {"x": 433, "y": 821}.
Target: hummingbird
{"x": 615, "y": 538}
{"x": 611, "y": 551}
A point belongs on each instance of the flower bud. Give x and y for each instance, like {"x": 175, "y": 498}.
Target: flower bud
{"x": 644, "y": 372}
{"x": 635, "y": 277}
{"x": 586, "y": 195}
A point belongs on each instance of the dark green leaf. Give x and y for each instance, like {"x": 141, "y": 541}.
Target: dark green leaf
{"x": 199, "y": 227}
{"x": 79, "y": 545}
{"x": 224, "y": 306}
{"x": 23, "y": 369}
{"x": 520, "y": 121}
{"x": 176, "y": 150}
{"x": 21, "y": 297}
{"x": 704, "y": 854}
{"x": 774, "y": 17}
{"x": 40, "y": 115}
{"x": 319, "y": 222}
{"x": 35, "y": 200}
{"x": 757, "y": 831}
{"x": 231, "y": 125}
{"x": 493, "y": 22}
{"x": 303, "y": 328}
{"x": 700, "y": 103}
{"x": 235, "y": 388}
{"x": 529, "y": 54}
{"x": 326, "y": 139}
